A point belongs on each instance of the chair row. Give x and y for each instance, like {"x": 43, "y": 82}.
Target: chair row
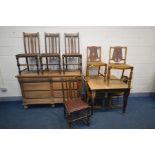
{"x": 52, "y": 51}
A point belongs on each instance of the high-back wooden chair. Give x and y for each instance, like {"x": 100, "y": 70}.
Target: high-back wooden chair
{"x": 74, "y": 108}
{"x": 52, "y": 51}
{"x": 72, "y": 51}
{"x": 32, "y": 50}
{"x": 94, "y": 60}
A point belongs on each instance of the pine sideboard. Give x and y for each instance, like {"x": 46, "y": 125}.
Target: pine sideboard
{"x": 43, "y": 88}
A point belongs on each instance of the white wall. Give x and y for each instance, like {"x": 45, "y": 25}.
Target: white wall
{"x": 139, "y": 40}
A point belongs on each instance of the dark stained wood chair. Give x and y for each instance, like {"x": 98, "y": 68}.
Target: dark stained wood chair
{"x": 32, "y": 51}
{"x": 74, "y": 108}
{"x": 72, "y": 59}
{"x": 94, "y": 60}
{"x": 52, "y": 52}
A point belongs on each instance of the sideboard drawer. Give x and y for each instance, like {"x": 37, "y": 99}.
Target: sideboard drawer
{"x": 37, "y": 94}
{"x": 36, "y": 86}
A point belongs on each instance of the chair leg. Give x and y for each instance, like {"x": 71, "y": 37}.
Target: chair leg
{"x": 109, "y": 103}
{"x": 88, "y": 121}
{"x": 65, "y": 113}
{"x": 63, "y": 63}
{"x": 41, "y": 65}
{"x": 88, "y": 98}
{"x": 69, "y": 119}
{"x": 18, "y": 65}
{"x": 59, "y": 64}
{"x": 81, "y": 64}
{"x": 37, "y": 64}
{"x": 47, "y": 64}
{"x": 98, "y": 70}
{"x": 27, "y": 63}
{"x": 66, "y": 64}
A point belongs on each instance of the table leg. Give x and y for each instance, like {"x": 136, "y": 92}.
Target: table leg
{"x": 107, "y": 99}
{"x": 125, "y": 100}
{"x": 92, "y": 101}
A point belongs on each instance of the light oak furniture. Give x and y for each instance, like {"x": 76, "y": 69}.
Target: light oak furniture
{"x": 98, "y": 85}
{"x": 52, "y": 52}
{"x": 94, "y": 60}
{"x": 74, "y": 108}
{"x": 72, "y": 59}
{"x": 117, "y": 61}
{"x": 43, "y": 88}
{"x": 117, "y": 57}
{"x": 32, "y": 51}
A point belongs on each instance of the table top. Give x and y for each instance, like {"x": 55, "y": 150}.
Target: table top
{"x": 100, "y": 84}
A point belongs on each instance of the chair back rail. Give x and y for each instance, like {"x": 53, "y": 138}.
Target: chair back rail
{"x": 31, "y": 43}
{"x": 117, "y": 54}
{"x": 93, "y": 53}
{"x": 71, "y": 88}
{"x": 72, "y": 45}
{"x": 52, "y": 43}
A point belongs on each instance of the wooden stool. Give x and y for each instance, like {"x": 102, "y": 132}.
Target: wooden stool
{"x": 32, "y": 50}
{"x": 52, "y": 51}
{"x": 72, "y": 51}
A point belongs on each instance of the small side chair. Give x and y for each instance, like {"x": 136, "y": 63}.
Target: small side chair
{"x": 74, "y": 108}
